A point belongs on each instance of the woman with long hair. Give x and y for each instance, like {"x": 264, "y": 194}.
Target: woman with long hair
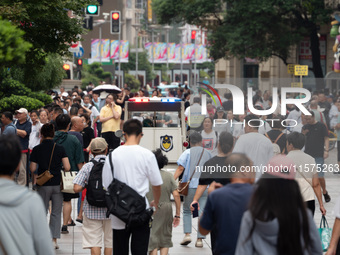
{"x": 209, "y": 136}
{"x": 50, "y": 156}
{"x": 277, "y": 221}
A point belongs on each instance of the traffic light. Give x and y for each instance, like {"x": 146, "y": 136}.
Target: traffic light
{"x": 88, "y": 23}
{"x": 92, "y": 10}
{"x": 115, "y": 22}
{"x": 80, "y": 62}
{"x": 67, "y": 68}
{"x": 193, "y": 34}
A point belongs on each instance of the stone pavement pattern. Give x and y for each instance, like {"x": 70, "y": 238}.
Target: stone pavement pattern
{"x": 72, "y": 243}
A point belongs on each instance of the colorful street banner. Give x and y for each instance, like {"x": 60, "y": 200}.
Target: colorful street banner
{"x": 109, "y": 50}
{"x": 174, "y": 53}
{"x": 105, "y": 50}
{"x": 124, "y": 51}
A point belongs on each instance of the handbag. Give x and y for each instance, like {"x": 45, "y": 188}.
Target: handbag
{"x": 67, "y": 181}
{"x": 183, "y": 187}
{"x": 325, "y": 233}
{"x": 46, "y": 176}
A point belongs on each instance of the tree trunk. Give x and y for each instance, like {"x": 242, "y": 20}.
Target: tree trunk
{"x": 317, "y": 70}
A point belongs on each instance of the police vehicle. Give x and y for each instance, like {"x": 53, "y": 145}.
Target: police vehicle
{"x": 163, "y": 124}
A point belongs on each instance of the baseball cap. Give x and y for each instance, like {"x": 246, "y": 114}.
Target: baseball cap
{"x": 98, "y": 145}
{"x": 22, "y": 110}
{"x": 220, "y": 109}
{"x": 281, "y": 166}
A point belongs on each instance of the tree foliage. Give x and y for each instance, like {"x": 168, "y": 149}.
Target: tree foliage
{"x": 12, "y": 45}
{"x": 143, "y": 64}
{"x": 48, "y": 76}
{"x": 132, "y": 83}
{"x": 252, "y": 28}
{"x": 48, "y": 26}
{"x": 15, "y": 102}
{"x": 94, "y": 73}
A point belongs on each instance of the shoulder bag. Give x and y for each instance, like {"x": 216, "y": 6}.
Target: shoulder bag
{"x": 183, "y": 187}
{"x": 46, "y": 176}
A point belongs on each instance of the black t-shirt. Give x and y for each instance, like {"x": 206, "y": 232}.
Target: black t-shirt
{"x": 274, "y": 134}
{"x": 88, "y": 135}
{"x": 315, "y": 139}
{"x": 41, "y": 155}
{"x": 26, "y": 126}
{"x": 220, "y": 174}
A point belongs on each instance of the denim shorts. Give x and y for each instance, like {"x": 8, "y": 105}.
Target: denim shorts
{"x": 319, "y": 162}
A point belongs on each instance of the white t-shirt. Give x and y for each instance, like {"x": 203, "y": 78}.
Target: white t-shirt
{"x": 257, "y": 147}
{"x": 209, "y": 142}
{"x": 304, "y": 167}
{"x": 336, "y": 210}
{"x": 34, "y": 138}
{"x": 135, "y": 166}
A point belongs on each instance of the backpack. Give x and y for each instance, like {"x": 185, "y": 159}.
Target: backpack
{"x": 95, "y": 193}
{"x": 125, "y": 203}
{"x": 276, "y": 147}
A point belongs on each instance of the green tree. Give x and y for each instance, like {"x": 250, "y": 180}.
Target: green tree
{"x": 252, "y": 28}
{"x": 49, "y": 76}
{"x": 132, "y": 83}
{"x": 94, "y": 73}
{"x": 48, "y": 26}
{"x": 143, "y": 64}
{"x": 12, "y": 45}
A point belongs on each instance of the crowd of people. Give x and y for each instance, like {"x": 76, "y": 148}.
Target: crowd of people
{"x": 263, "y": 211}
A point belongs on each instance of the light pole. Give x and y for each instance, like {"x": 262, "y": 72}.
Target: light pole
{"x": 181, "y": 42}
{"x": 167, "y": 28}
{"x": 137, "y": 27}
{"x": 153, "y": 27}
{"x": 100, "y": 22}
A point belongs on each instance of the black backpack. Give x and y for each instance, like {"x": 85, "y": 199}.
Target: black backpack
{"x": 125, "y": 203}
{"x": 95, "y": 193}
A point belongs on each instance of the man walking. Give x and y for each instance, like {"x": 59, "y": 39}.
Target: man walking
{"x": 137, "y": 172}
{"x": 24, "y": 128}
{"x": 256, "y": 146}
{"x": 95, "y": 224}
{"x": 317, "y": 146}
{"x": 74, "y": 152}
{"x": 224, "y": 219}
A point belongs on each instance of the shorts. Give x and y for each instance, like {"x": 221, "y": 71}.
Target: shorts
{"x": 320, "y": 161}
{"x": 69, "y": 196}
{"x": 94, "y": 231}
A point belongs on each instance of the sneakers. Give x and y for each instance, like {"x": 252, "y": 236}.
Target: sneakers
{"x": 327, "y": 197}
{"x": 186, "y": 240}
{"x": 64, "y": 230}
{"x": 55, "y": 245}
{"x": 199, "y": 243}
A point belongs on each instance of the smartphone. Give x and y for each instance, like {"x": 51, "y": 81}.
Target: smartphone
{"x": 195, "y": 211}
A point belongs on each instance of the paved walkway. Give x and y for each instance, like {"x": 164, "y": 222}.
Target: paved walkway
{"x": 72, "y": 243}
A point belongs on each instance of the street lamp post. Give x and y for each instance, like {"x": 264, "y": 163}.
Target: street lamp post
{"x": 153, "y": 27}
{"x": 181, "y": 42}
{"x": 167, "y": 28}
{"x": 137, "y": 27}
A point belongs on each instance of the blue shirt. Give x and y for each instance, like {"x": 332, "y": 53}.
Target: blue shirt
{"x": 224, "y": 218}
{"x": 10, "y": 129}
{"x": 189, "y": 160}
